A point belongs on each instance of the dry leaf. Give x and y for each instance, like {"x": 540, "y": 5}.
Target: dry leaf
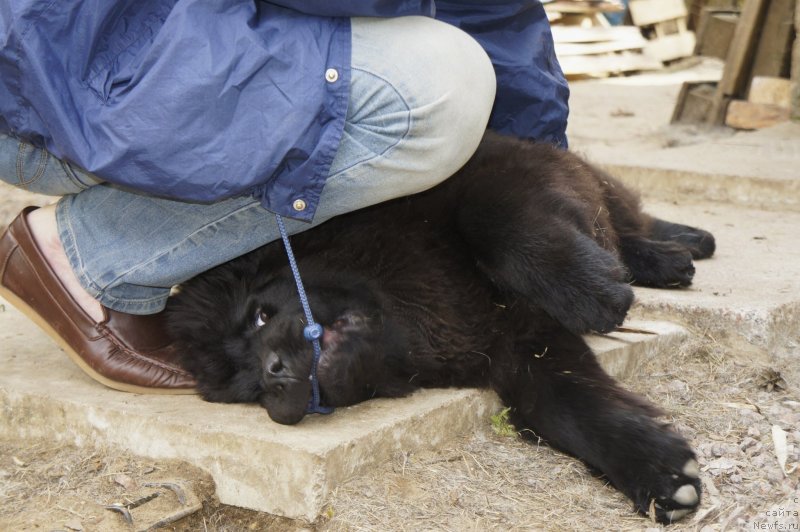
{"x": 124, "y": 480}
{"x": 74, "y": 525}
{"x": 721, "y": 463}
{"x": 771, "y": 380}
{"x": 781, "y": 449}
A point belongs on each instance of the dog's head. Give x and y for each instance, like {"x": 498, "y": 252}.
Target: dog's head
{"x": 241, "y": 333}
{"x": 349, "y": 368}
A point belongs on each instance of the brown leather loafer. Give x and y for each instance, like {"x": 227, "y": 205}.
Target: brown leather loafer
{"x": 125, "y": 352}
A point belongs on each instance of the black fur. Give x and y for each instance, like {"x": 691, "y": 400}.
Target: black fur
{"x": 486, "y": 280}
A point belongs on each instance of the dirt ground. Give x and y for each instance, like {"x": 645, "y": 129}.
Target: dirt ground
{"x": 719, "y": 392}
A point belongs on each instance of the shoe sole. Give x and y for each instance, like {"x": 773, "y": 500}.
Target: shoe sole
{"x": 20, "y": 305}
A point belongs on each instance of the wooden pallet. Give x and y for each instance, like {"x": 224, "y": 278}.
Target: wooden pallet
{"x": 795, "y": 74}
{"x": 715, "y": 31}
{"x": 582, "y": 13}
{"x": 601, "y": 50}
{"x": 587, "y": 45}
{"x": 664, "y": 21}
{"x": 755, "y": 90}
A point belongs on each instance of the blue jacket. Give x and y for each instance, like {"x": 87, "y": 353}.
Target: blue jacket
{"x": 205, "y": 99}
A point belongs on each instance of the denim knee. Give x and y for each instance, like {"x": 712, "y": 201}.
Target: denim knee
{"x": 445, "y": 80}
{"x": 36, "y": 170}
{"x": 463, "y": 95}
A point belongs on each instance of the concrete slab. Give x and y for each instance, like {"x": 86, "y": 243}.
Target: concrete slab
{"x": 614, "y": 113}
{"x": 743, "y": 186}
{"x": 750, "y": 288}
{"x": 255, "y": 463}
{"x": 755, "y": 169}
{"x": 622, "y": 124}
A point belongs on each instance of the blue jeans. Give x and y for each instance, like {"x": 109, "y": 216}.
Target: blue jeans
{"x": 420, "y": 98}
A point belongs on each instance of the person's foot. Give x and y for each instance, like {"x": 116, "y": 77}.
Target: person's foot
{"x": 123, "y": 351}
{"x": 44, "y": 228}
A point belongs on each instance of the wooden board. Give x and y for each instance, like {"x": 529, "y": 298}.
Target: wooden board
{"x": 671, "y": 47}
{"x": 770, "y": 91}
{"x": 566, "y": 6}
{"x": 715, "y": 34}
{"x": 796, "y": 66}
{"x": 695, "y": 102}
{"x": 737, "y": 64}
{"x": 607, "y": 64}
{"x": 773, "y": 53}
{"x": 571, "y": 34}
{"x": 697, "y": 7}
{"x": 584, "y": 20}
{"x": 594, "y": 48}
{"x": 748, "y": 115}
{"x": 647, "y": 12}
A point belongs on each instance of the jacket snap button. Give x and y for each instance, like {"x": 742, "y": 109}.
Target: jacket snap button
{"x": 299, "y": 205}
{"x": 331, "y": 75}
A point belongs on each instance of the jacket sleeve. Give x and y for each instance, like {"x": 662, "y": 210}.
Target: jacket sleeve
{"x": 532, "y": 92}
{"x": 359, "y": 8}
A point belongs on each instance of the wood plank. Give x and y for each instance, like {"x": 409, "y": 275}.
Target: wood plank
{"x": 671, "y": 47}
{"x": 594, "y": 48}
{"x": 571, "y": 34}
{"x": 715, "y": 34}
{"x": 737, "y": 65}
{"x": 748, "y": 115}
{"x": 566, "y": 6}
{"x": 647, "y": 12}
{"x": 697, "y": 7}
{"x": 694, "y": 103}
{"x": 584, "y": 20}
{"x": 796, "y": 66}
{"x": 770, "y": 91}
{"x": 773, "y": 53}
{"x": 607, "y": 64}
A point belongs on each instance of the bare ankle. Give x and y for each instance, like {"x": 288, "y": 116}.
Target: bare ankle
{"x": 45, "y": 233}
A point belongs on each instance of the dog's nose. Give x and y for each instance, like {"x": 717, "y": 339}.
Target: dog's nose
{"x": 273, "y": 366}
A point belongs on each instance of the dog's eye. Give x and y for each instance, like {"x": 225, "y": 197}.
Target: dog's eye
{"x": 261, "y": 318}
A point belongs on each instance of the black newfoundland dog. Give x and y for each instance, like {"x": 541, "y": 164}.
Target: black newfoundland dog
{"x": 487, "y": 280}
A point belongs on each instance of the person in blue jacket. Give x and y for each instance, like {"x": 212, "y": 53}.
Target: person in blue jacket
{"x": 173, "y": 129}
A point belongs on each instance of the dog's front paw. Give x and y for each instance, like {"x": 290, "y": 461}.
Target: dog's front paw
{"x": 659, "y": 264}
{"x": 599, "y": 307}
{"x": 677, "y": 503}
{"x": 592, "y": 294}
{"x": 699, "y": 243}
{"x": 657, "y": 469}
{"x": 672, "y": 493}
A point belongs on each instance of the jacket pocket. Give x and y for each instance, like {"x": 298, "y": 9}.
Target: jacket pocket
{"x": 120, "y": 45}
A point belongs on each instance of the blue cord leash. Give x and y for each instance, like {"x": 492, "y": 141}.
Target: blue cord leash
{"x": 312, "y": 331}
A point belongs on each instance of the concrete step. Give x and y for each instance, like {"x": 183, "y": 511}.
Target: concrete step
{"x": 750, "y": 289}
{"x": 751, "y": 169}
{"x": 255, "y": 463}
{"x": 742, "y": 186}
{"x": 623, "y": 125}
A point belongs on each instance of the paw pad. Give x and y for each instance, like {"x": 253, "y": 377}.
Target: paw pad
{"x": 680, "y": 496}
{"x": 686, "y": 495}
{"x": 692, "y": 469}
